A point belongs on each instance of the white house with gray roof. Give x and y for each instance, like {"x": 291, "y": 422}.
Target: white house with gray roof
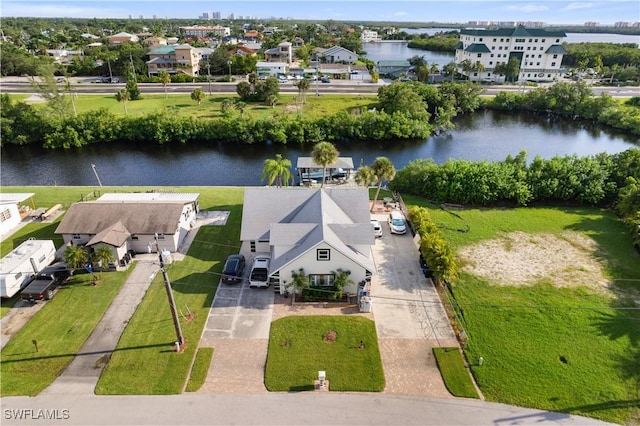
{"x": 129, "y": 221}
{"x": 319, "y": 230}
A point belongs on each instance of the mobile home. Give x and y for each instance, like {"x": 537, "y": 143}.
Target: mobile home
{"x": 18, "y": 267}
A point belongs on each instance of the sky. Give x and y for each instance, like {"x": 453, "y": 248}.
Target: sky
{"x": 552, "y": 12}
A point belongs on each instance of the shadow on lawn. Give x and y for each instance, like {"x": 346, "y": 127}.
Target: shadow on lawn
{"x": 67, "y": 355}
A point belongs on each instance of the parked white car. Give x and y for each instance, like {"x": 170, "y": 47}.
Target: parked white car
{"x": 377, "y": 228}
{"x": 259, "y": 276}
{"x": 397, "y": 224}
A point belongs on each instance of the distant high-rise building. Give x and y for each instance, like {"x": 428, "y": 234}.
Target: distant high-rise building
{"x": 141, "y": 17}
{"x": 621, "y": 24}
{"x": 232, "y": 16}
{"x": 216, "y": 15}
{"x": 591, "y": 24}
{"x": 205, "y": 15}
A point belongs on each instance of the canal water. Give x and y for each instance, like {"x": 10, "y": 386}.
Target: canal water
{"x": 482, "y": 136}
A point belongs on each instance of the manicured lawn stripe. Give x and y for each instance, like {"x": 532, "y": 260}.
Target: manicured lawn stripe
{"x": 454, "y": 373}
{"x": 199, "y": 369}
{"x": 298, "y": 350}
{"x": 60, "y": 329}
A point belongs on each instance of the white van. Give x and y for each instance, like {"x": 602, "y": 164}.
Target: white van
{"x": 259, "y": 276}
{"x": 397, "y": 225}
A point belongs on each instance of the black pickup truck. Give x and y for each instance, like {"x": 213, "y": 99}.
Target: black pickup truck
{"x": 45, "y": 282}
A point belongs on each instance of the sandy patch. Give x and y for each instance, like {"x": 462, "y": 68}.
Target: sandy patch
{"x": 569, "y": 260}
{"x": 34, "y": 99}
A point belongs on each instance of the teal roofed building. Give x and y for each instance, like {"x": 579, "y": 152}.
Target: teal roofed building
{"x": 539, "y": 53}
{"x": 173, "y": 59}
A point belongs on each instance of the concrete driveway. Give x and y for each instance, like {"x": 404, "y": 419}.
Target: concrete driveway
{"x": 238, "y": 330}
{"x": 410, "y": 320}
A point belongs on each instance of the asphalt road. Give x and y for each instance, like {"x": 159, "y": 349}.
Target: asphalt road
{"x": 305, "y": 408}
{"x": 86, "y": 85}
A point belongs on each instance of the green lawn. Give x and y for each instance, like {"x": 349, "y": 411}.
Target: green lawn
{"x": 144, "y": 361}
{"x": 454, "y": 373}
{"x": 60, "y": 328}
{"x": 298, "y": 349}
{"x": 567, "y": 349}
{"x": 210, "y": 107}
{"x": 199, "y": 369}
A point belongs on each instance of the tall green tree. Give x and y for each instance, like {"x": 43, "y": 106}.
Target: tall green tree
{"x": 277, "y": 170}
{"x": 384, "y": 171}
{"x": 303, "y": 87}
{"x": 324, "y": 154}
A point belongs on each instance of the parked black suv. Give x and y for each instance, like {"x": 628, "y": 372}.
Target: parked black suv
{"x": 233, "y": 269}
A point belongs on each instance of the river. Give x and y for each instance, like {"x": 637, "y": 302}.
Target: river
{"x": 482, "y": 136}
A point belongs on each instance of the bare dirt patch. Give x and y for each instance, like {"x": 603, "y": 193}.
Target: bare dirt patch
{"x": 518, "y": 258}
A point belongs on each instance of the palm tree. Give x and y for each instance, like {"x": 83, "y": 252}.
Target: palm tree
{"x": 384, "y": 170}
{"x": 324, "y": 154}
{"x": 365, "y": 176}
{"x": 123, "y": 96}
{"x": 272, "y": 100}
{"x": 104, "y": 256}
{"x": 277, "y": 170}
{"x": 303, "y": 86}
{"x": 75, "y": 257}
{"x": 165, "y": 79}
{"x": 299, "y": 283}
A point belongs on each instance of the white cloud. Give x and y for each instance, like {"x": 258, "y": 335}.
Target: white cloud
{"x": 578, "y": 5}
{"x": 528, "y": 8}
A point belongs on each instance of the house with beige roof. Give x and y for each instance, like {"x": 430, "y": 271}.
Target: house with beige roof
{"x": 319, "y": 230}
{"x": 129, "y": 222}
{"x": 122, "y": 38}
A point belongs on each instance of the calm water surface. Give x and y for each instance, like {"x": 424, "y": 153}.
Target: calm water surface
{"x": 482, "y": 136}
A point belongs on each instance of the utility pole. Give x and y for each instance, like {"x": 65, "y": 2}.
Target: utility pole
{"x": 172, "y": 302}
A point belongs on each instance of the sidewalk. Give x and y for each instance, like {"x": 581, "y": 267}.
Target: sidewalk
{"x": 81, "y": 376}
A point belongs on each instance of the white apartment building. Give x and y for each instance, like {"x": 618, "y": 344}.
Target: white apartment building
{"x": 539, "y": 52}
{"x": 369, "y": 36}
{"x": 203, "y": 31}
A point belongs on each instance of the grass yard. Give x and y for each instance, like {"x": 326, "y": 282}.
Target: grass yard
{"x": 145, "y": 361}
{"x": 199, "y": 369}
{"x": 60, "y": 329}
{"x": 210, "y": 107}
{"x": 569, "y": 349}
{"x": 299, "y": 347}
{"x": 454, "y": 373}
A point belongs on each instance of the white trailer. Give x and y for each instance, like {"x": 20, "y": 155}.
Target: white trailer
{"x": 18, "y": 267}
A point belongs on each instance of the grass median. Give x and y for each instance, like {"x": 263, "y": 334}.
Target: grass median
{"x": 211, "y": 106}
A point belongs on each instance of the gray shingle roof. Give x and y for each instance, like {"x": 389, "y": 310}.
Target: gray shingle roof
{"x": 138, "y": 218}
{"x": 115, "y": 235}
{"x": 514, "y": 31}
{"x": 477, "y": 48}
{"x": 302, "y": 219}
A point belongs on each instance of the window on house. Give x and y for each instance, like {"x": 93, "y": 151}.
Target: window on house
{"x": 5, "y": 215}
{"x": 134, "y": 237}
{"x": 253, "y": 246}
{"x": 555, "y": 56}
{"x": 479, "y": 55}
{"x": 490, "y": 62}
{"x": 160, "y": 236}
{"x": 76, "y": 236}
{"x": 494, "y": 40}
{"x": 492, "y": 55}
{"x": 18, "y": 275}
{"x": 323, "y": 254}
{"x": 321, "y": 280}
{"x": 553, "y": 64}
